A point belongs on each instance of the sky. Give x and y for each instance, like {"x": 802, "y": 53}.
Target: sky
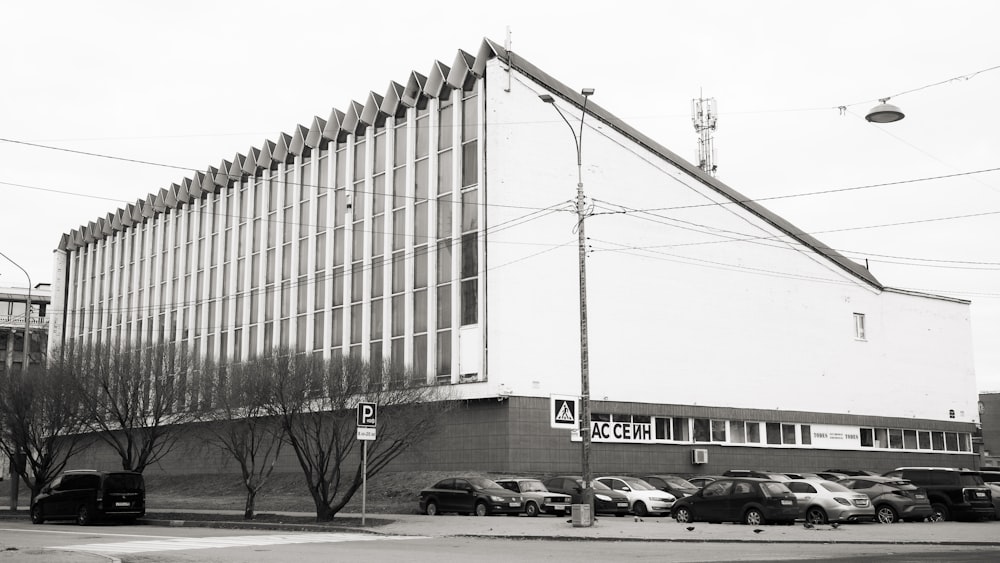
{"x": 185, "y": 84}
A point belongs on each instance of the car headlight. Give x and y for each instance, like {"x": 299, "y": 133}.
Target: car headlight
{"x": 842, "y": 501}
{"x": 605, "y": 498}
{"x": 496, "y": 499}
{"x": 663, "y": 499}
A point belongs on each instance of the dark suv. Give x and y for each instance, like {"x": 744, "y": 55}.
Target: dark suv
{"x": 953, "y": 493}
{"x": 86, "y": 495}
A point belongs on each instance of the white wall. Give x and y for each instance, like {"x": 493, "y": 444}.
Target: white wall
{"x": 679, "y": 313}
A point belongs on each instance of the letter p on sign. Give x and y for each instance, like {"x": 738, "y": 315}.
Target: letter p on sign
{"x": 367, "y": 413}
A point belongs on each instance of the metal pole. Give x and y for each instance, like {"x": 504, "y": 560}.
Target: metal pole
{"x": 364, "y": 479}
{"x": 15, "y": 478}
{"x": 585, "y": 428}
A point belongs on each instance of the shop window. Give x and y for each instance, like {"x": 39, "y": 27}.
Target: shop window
{"x": 773, "y": 433}
{"x": 806, "y": 431}
{"x": 702, "y": 432}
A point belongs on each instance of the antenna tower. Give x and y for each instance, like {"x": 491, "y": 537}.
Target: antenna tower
{"x": 704, "y": 116}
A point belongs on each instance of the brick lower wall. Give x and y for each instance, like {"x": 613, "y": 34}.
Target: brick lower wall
{"x": 514, "y": 437}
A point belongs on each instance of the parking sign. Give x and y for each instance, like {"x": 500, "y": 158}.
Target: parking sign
{"x": 367, "y": 415}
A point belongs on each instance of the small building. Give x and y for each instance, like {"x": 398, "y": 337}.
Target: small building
{"x": 13, "y": 304}
{"x": 434, "y": 225}
{"x": 989, "y": 417}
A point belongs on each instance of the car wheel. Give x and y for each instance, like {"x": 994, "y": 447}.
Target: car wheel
{"x": 683, "y": 515}
{"x": 941, "y": 513}
{"x": 83, "y": 516}
{"x": 482, "y": 509}
{"x": 639, "y": 508}
{"x": 885, "y": 514}
{"x": 36, "y": 515}
{"x": 816, "y": 515}
{"x": 531, "y": 509}
{"x": 753, "y": 517}
{"x": 431, "y": 509}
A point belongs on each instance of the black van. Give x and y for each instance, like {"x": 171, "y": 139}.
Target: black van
{"x": 86, "y": 495}
{"x": 953, "y": 493}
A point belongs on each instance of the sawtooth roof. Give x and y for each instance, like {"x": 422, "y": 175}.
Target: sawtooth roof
{"x": 374, "y": 109}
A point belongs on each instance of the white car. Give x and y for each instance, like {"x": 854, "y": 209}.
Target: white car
{"x": 643, "y": 498}
{"x": 825, "y": 501}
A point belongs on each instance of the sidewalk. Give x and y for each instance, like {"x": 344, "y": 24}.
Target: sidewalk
{"x": 607, "y": 528}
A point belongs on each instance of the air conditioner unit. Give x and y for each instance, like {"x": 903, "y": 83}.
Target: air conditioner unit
{"x": 699, "y": 456}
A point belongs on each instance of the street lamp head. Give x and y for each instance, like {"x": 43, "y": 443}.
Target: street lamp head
{"x": 884, "y": 113}
{"x": 587, "y": 91}
{"x": 546, "y": 98}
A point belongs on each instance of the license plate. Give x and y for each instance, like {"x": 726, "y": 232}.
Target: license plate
{"x": 558, "y": 506}
{"x": 980, "y": 494}
{"x": 921, "y": 497}
{"x": 121, "y": 504}
{"x": 515, "y": 504}
{"x": 623, "y": 505}
{"x": 786, "y": 502}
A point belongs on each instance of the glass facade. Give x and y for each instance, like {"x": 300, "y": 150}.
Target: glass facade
{"x": 365, "y": 244}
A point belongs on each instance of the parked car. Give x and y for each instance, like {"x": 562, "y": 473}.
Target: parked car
{"x": 88, "y": 495}
{"x": 643, "y": 498}
{"x": 832, "y": 475}
{"x": 894, "y": 499}
{"x": 823, "y": 501}
{"x": 469, "y": 495}
{"x": 990, "y": 474}
{"x": 995, "y": 491}
{"x": 673, "y": 484}
{"x": 536, "y": 497}
{"x": 854, "y": 472}
{"x": 747, "y": 500}
{"x": 954, "y": 493}
{"x": 701, "y": 480}
{"x": 774, "y": 476}
{"x": 606, "y": 501}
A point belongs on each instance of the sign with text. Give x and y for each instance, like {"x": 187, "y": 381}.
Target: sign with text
{"x": 835, "y": 437}
{"x": 366, "y": 433}
{"x": 619, "y": 432}
{"x": 564, "y": 411}
{"x": 367, "y": 414}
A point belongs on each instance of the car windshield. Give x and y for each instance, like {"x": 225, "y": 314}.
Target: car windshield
{"x": 599, "y": 486}
{"x": 775, "y": 489}
{"x": 529, "y": 486}
{"x": 483, "y": 483}
{"x": 124, "y": 481}
{"x": 639, "y": 485}
{"x": 834, "y": 487}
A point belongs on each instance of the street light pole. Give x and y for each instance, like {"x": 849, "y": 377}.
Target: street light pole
{"x": 588, "y": 485}
{"x": 15, "y": 462}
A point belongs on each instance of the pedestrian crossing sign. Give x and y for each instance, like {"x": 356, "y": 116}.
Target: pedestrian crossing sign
{"x": 564, "y": 409}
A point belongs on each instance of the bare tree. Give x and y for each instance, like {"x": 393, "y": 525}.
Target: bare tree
{"x": 316, "y": 402}
{"x": 136, "y": 401}
{"x": 40, "y": 422}
{"x": 241, "y": 425}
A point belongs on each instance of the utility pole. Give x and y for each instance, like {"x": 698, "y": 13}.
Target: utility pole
{"x": 587, "y": 475}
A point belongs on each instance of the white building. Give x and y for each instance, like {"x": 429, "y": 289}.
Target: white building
{"x": 434, "y": 226}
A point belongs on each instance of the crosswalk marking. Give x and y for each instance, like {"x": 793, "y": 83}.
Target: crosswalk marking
{"x": 174, "y": 544}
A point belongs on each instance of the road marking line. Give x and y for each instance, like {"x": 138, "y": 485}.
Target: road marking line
{"x": 176, "y": 544}
{"x": 87, "y": 531}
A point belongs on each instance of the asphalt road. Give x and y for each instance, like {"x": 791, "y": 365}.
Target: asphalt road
{"x": 66, "y": 543}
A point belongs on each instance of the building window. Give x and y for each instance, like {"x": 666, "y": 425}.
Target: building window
{"x": 859, "y": 326}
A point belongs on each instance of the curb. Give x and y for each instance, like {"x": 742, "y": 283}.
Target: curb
{"x": 241, "y": 525}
